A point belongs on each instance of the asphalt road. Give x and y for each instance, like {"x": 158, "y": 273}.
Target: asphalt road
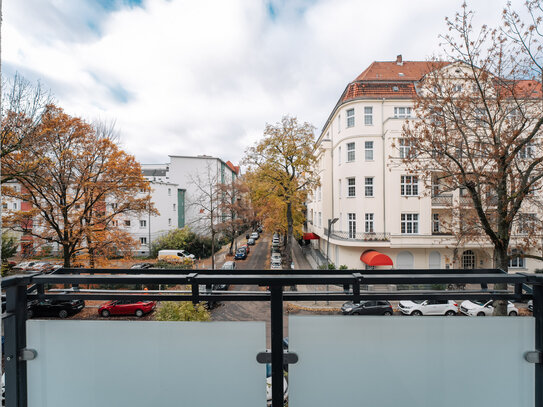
{"x": 258, "y": 259}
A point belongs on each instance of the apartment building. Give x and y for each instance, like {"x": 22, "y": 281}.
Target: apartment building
{"x": 369, "y": 211}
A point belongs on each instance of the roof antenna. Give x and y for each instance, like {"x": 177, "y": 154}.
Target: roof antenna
{"x": 399, "y": 60}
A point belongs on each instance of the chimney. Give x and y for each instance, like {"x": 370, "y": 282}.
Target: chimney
{"x": 399, "y": 60}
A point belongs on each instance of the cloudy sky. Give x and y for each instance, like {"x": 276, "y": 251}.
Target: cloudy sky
{"x": 188, "y": 77}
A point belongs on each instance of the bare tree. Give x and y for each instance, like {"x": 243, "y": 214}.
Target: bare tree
{"x": 479, "y": 132}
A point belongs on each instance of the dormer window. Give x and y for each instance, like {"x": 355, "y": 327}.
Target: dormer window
{"x": 395, "y": 88}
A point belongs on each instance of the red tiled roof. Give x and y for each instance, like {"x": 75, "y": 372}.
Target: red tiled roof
{"x": 379, "y": 90}
{"x": 405, "y": 71}
{"x": 233, "y": 167}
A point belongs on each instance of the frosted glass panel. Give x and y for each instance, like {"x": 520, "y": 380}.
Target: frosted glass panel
{"x": 411, "y": 361}
{"x": 127, "y": 363}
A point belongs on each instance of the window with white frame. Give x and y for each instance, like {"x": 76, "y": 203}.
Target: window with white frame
{"x": 405, "y": 148}
{"x": 369, "y": 223}
{"x": 435, "y": 223}
{"x": 14, "y": 205}
{"x": 409, "y": 223}
{"x": 174, "y": 207}
{"x": 350, "y": 152}
{"x": 526, "y": 223}
{"x": 169, "y": 221}
{"x": 368, "y": 186}
{"x": 402, "y": 112}
{"x": 319, "y": 193}
{"x": 143, "y": 223}
{"x": 320, "y": 219}
{"x": 468, "y": 259}
{"x": 409, "y": 185}
{"x": 527, "y": 151}
{"x": 351, "y": 187}
{"x": 5, "y": 205}
{"x": 457, "y": 88}
{"x": 143, "y": 240}
{"x": 127, "y": 223}
{"x": 368, "y": 116}
{"x": 516, "y": 261}
{"x": 169, "y": 191}
{"x": 352, "y": 225}
{"x": 339, "y": 123}
{"x": 368, "y": 150}
{"x": 339, "y": 155}
{"x": 339, "y": 187}
{"x": 114, "y": 206}
{"x": 350, "y": 118}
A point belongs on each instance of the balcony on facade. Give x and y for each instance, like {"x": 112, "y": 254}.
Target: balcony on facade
{"x": 442, "y": 200}
{"x": 358, "y": 236}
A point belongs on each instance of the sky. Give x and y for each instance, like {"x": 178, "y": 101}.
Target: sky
{"x": 191, "y": 77}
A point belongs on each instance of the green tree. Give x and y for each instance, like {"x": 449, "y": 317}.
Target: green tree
{"x": 182, "y": 311}
{"x": 9, "y": 247}
{"x": 183, "y": 239}
{"x": 282, "y": 167}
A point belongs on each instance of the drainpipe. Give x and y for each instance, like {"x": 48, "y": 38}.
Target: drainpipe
{"x": 384, "y": 165}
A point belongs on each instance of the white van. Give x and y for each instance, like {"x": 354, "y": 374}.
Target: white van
{"x": 181, "y": 254}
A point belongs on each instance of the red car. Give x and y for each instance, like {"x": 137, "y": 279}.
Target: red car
{"x": 126, "y": 307}
{"x": 247, "y": 248}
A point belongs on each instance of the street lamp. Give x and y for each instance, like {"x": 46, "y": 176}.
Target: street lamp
{"x": 330, "y": 223}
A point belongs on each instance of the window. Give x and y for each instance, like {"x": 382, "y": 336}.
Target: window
{"x": 319, "y": 194}
{"x": 516, "y": 261}
{"x": 114, "y": 206}
{"x": 435, "y": 185}
{"x": 468, "y": 260}
{"x": 339, "y": 123}
{"x": 526, "y": 223}
{"x": 127, "y": 223}
{"x": 351, "y": 187}
{"x": 143, "y": 223}
{"x": 320, "y": 218}
{"x": 339, "y": 188}
{"x": 369, "y": 223}
{"x": 352, "y": 225}
{"x": 350, "y": 118}
{"x": 169, "y": 221}
{"x": 528, "y": 151}
{"x": 405, "y": 148}
{"x": 409, "y": 185}
{"x": 174, "y": 207}
{"x": 114, "y": 223}
{"x": 5, "y": 205}
{"x": 368, "y": 150}
{"x": 350, "y": 152}
{"x": 368, "y": 116}
{"x": 15, "y": 205}
{"x": 410, "y": 223}
{"x": 339, "y": 155}
{"x": 169, "y": 191}
{"x": 368, "y": 186}
{"x": 402, "y": 112}
{"x": 457, "y": 88}
{"x": 435, "y": 223}
{"x": 143, "y": 240}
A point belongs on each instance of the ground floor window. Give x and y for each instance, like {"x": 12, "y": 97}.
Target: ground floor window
{"x": 352, "y": 225}
{"x": 468, "y": 259}
{"x": 516, "y": 262}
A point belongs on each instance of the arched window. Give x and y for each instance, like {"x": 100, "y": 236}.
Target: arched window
{"x": 404, "y": 260}
{"x": 434, "y": 260}
{"x": 516, "y": 262}
{"x": 468, "y": 259}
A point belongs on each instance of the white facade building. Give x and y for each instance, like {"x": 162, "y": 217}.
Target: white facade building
{"x": 364, "y": 184}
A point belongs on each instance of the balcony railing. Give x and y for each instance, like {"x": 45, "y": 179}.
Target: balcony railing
{"x": 358, "y": 236}
{"x": 519, "y": 341}
{"x": 442, "y": 200}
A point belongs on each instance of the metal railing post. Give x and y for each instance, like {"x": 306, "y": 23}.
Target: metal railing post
{"x": 276, "y": 305}
{"x": 15, "y": 342}
{"x": 538, "y": 314}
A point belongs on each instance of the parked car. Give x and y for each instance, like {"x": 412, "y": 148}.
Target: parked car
{"x": 276, "y": 265}
{"x": 54, "y": 308}
{"x": 126, "y": 307}
{"x": 26, "y": 265}
{"x": 241, "y": 254}
{"x": 259, "y": 229}
{"x": 181, "y": 254}
{"x": 276, "y": 257}
{"x": 380, "y": 307}
{"x": 531, "y": 306}
{"x": 229, "y": 265}
{"x": 247, "y": 236}
{"x": 251, "y": 242}
{"x": 428, "y": 307}
{"x": 481, "y": 308}
{"x": 255, "y": 235}
{"x": 141, "y": 266}
{"x": 246, "y": 247}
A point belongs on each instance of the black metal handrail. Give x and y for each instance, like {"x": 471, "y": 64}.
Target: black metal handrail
{"x": 17, "y": 297}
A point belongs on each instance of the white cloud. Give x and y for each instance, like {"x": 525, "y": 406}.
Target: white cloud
{"x": 203, "y": 77}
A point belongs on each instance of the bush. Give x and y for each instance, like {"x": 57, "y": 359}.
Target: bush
{"x": 184, "y": 239}
{"x": 182, "y": 311}
{"x": 343, "y": 267}
{"x": 329, "y": 266}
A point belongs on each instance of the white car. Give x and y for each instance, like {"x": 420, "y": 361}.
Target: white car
{"x": 255, "y": 235}
{"x": 428, "y": 307}
{"x": 276, "y": 257}
{"x": 276, "y": 265}
{"x": 482, "y": 309}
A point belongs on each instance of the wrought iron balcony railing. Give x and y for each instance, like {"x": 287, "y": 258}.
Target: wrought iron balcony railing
{"x": 358, "y": 236}
{"x": 442, "y": 200}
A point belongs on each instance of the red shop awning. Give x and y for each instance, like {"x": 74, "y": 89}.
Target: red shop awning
{"x": 374, "y": 258}
{"x": 310, "y": 236}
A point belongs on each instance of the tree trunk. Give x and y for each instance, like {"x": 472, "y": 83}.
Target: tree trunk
{"x": 501, "y": 261}
{"x": 288, "y": 242}
{"x": 212, "y": 249}
{"x": 66, "y": 254}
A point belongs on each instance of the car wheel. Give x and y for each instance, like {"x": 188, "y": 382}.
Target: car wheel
{"x": 105, "y": 313}
{"x": 63, "y": 313}
{"x": 513, "y": 314}
{"x": 416, "y": 313}
{"x": 387, "y": 313}
{"x": 481, "y": 314}
{"x": 450, "y": 313}
{"x": 139, "y": 313}
{"x": 29, "y": 314}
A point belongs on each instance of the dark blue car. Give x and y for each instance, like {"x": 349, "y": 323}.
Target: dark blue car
{"x": 241, "y": 254}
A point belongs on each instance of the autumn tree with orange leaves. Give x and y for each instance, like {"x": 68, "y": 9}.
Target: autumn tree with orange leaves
{"x": 80, "y": 189}
{"x": 479, "y": 131}
{"x": 282, "y": 168}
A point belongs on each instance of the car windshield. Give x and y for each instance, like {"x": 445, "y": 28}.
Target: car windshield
{"x": 480, "y": 303}
{"x": 418, "y": 301}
